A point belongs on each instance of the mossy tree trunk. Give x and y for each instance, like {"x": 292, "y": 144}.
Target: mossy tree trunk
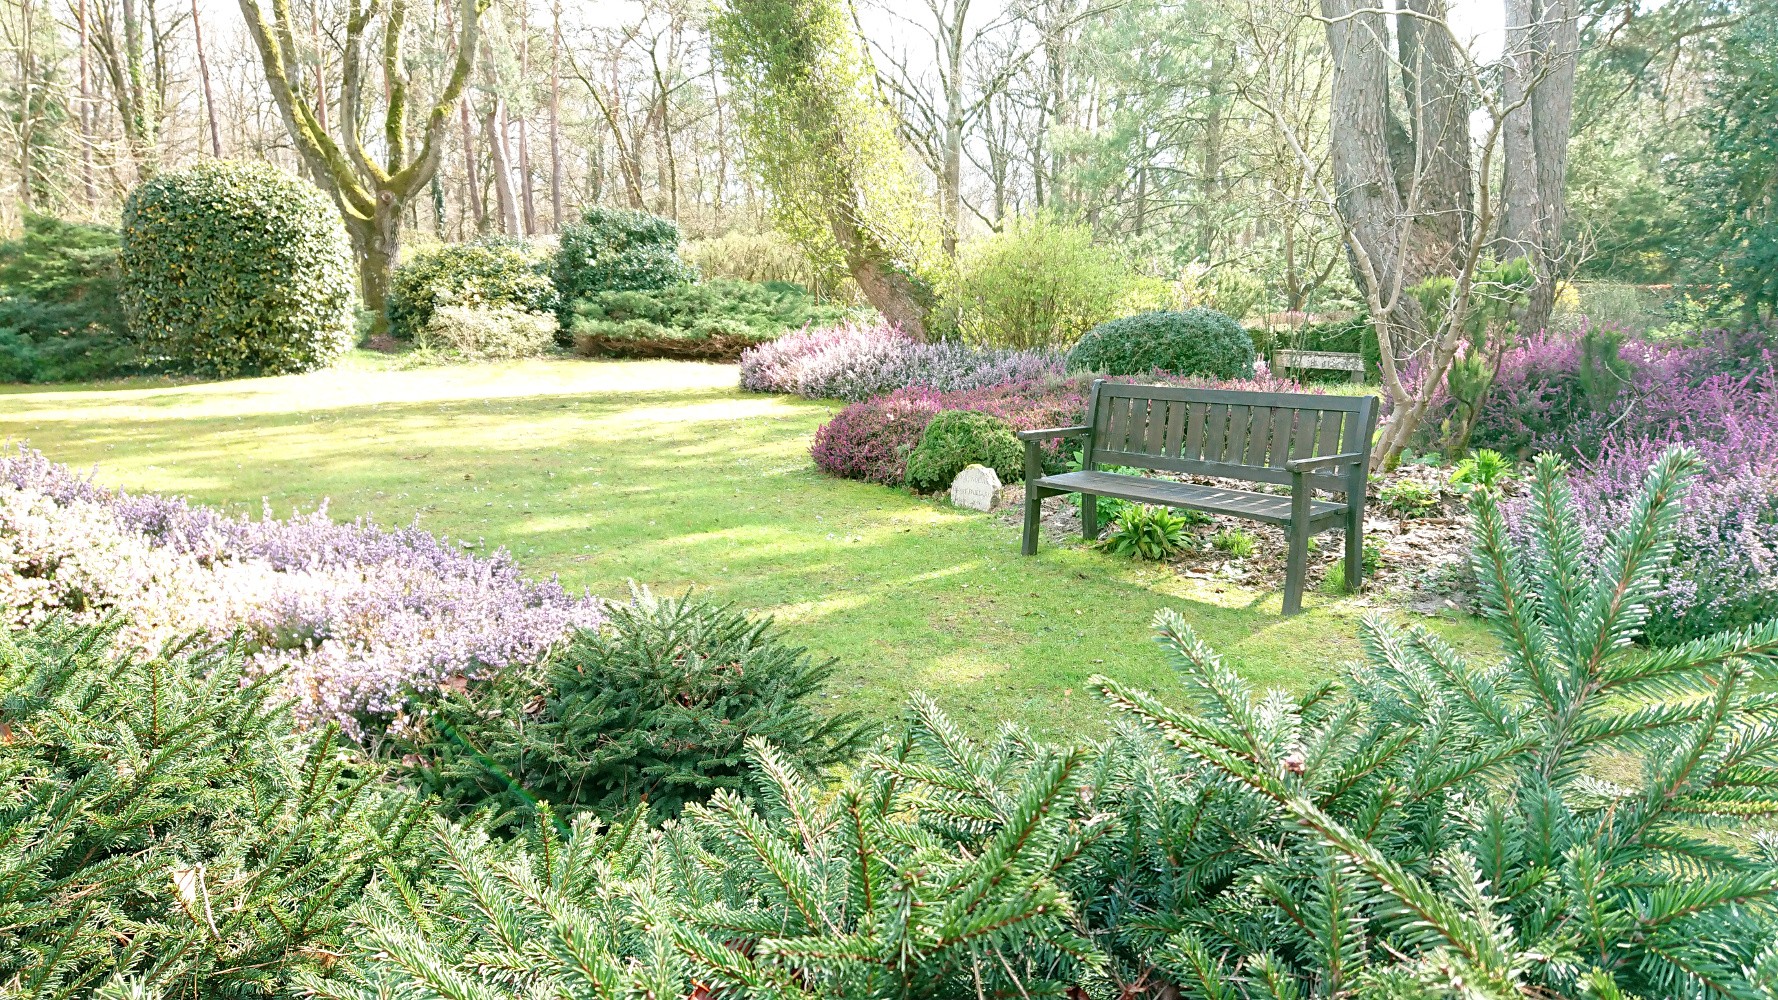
{"x": 371, "y": 196}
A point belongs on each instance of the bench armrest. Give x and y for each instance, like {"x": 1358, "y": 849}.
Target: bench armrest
{"x": 1323, "y": 462}
{"x": 1053, "y": 432}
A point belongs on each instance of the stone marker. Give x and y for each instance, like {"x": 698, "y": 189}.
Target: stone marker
{"x": 975, "y": 487}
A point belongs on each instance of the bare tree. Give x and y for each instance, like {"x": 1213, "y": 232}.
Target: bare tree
{"x": 371, "y": 196}
{"x": 197, "y": 38}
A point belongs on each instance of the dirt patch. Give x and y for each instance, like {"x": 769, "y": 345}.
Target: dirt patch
{"x": 1422, "y": 558}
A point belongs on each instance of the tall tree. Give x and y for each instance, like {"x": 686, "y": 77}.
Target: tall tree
{"x": 1537, "y": 89}
{"x": 372, "y": 196}
{"x": 816, "y": 129}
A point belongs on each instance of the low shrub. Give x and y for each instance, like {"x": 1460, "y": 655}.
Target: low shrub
{"x": 956, "y": 439}
{"x": 61, "y": 316}
{"x": 483, "y": 333}
{"x": 855, "y": 361}
{"x": 616, "y": 250}
{"x": 1040, "y": 283}
{"x": 237, "y": 269}
{"x": 655, "y": 705}
{"x": 167, "y": 831}
{"x": 490, "y": 273}
{"x": 1193, "y": 342}
{"x": 1426, "y": 826}
{"x": 1141, "y": 531}
{"x": 712, "y": 321}
{"x": 350, "y": 616}
{"x": 1483, "y": 469}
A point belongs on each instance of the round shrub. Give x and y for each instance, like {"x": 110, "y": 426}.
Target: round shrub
{"x": 1193, "y": 342}
{"x": 237, "y": 269}
{"x": 955, "y": 439}
{"x": 486, "y": 274}
{"x": 1041, "y": 283}
{"x": 617, "y": 250}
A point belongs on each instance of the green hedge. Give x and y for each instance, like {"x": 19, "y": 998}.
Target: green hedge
{"x": 715, "y": 320}
{"x": 1192, "y": 342}
{"x": 617, "y": 250}
{"x": 489, "y": 273}
{"x": 237, "y": 269}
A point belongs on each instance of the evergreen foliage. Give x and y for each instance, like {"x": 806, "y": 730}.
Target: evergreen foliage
{"x": 712, "y": 320}
{"x": 616, "y": 250}
{"x": 60, "y": 316}
{"x": 956, "y": 439}
{"x": 1559, "y": 823}
{"x": 1192, "y": 342}
{"x": 237, "y": 269}
{"x": 656, "y": 706}
{"x": 489, "y": 273}
{"x": 162, "y": 827}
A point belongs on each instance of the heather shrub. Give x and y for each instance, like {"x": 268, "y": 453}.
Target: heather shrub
{"x": 164, "y": 823}
{"x": 616, "y": 250}
{"x": 237, "y": 269}
{"x": 350, "y": 616}
{"x": 484, "y": 274}
{"x": 655, "y": 705}
{"x": 1039, "y": 283}
{"x": 61, "y": 318}
{"x": 1193, "y": 342}
{"x": 488, "y": 333}
{"x": 955, "y": 439}
{"x": 854, "y": 361}
{"x": 714, "y": 321}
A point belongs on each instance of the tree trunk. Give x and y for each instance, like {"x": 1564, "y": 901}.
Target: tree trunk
{"x": 472, "y": 183}
{"x": 377, "y": 241}
{"x": 500, "y": 165}
{"x": 1537, "y": 88}
{"x": 528, "y": 196}
{"x": 555, "y": 116}
{"x": 84, "y": 118}
{"x": 197, "y": 36}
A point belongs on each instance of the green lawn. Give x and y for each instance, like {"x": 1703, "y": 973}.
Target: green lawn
{"x": 662, "y": 472}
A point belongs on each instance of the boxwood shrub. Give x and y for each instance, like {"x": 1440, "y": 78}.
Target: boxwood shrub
{"x": 485, "y": 274}
{"x": 1193, "y": 342}
{"x": 955, "y": 439}
{"x": 617, "y": 250}
{"x": 237, "y": 269}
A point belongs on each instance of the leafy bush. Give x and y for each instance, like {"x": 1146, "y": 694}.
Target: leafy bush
{"x": 351, "y": 615}
{"x": 955, "y": 439}
{"x": 1408, "y": 498}
{"x": 1193, "y": 342}
{"x": 489, "y": 273}
{"x": 653, "y": 706}
{"x": 1038, "y": 283}
{"x": 855, "y": 361}
{"x": 488, "y": 333}
{"x": 61, "y": 319}
{"x": 1141, "y": 531}
{"x": 237, "y": 269}
{"x": 163, "y": 822}
{"x": 713, "y": 321}
{"x": 616, "y": 250}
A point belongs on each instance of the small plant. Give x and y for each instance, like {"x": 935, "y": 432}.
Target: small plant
{"x": 1140, "y": 531}
{"x": 1484, "y": 469}
{"x": 1335, "y": 580}
{"x": 654, "y": 706}
{"x": 1234, "y": 542}
{"x": 1409, "y": 498}
{"x": 958, "y": 438}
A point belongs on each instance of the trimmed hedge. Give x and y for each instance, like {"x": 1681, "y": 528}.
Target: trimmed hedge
{"x": 485, "y": 274}
{"x": 617, "y": 250}
{"x": 1193, "y": 342}
{"x": 237, "y": 269}
{"x": 712, "y": 321}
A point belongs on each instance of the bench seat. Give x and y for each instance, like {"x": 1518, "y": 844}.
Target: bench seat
{"x": 1263, "y": 507}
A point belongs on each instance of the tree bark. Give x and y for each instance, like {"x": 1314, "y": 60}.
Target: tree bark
{"x": 500, "y": 165}
{"x": 1537, "y": 88}
{"x": 197, "y": 37}
{"x": 555, "y": 116}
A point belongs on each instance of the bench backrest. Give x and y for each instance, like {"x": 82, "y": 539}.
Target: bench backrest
{"x": 1225, "y": 433}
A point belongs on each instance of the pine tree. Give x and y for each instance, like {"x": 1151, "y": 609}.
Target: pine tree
{"x": 163, "y": 828}
{"x": 1572, "y": 820}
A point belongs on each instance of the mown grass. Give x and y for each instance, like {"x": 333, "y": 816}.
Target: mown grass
{"x": 663, "y": 473}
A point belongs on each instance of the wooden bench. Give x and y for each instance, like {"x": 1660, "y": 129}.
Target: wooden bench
{"x": 1327, "y": 361}
{"x": 1307, "y": 442}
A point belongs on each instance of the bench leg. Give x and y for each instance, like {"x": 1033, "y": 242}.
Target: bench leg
{"x": 1033, "y": 518}
{"x": 1296, "y": 565}
{"x": 1354, "y": 548}
{"x": 1089, "y": 517}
